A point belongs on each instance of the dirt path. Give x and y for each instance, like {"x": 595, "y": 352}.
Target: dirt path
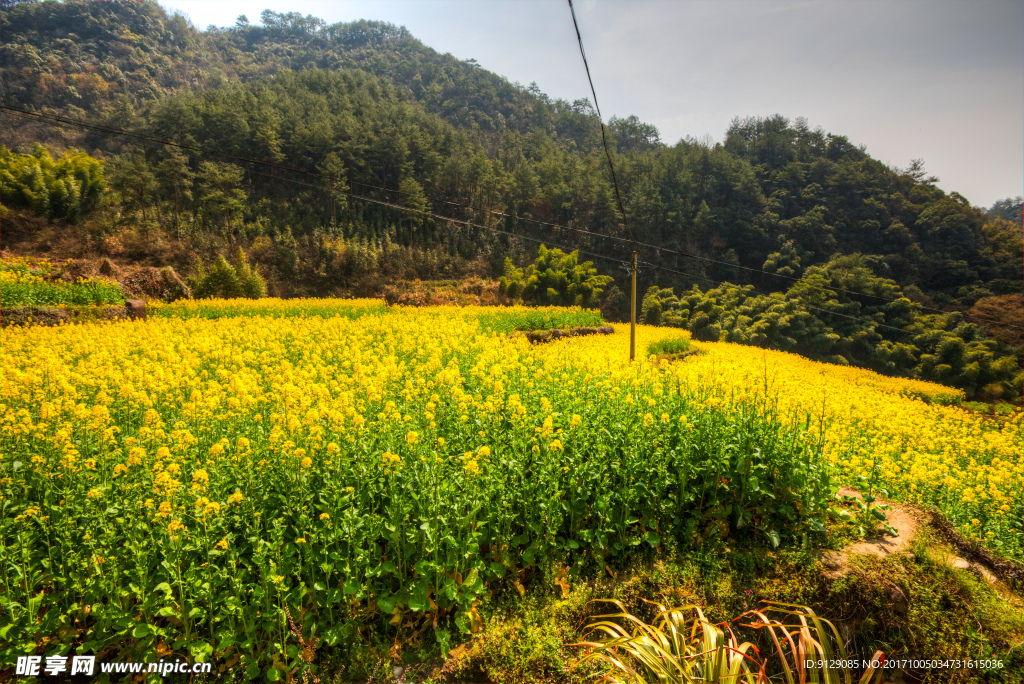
{"x": 905, "y": 520}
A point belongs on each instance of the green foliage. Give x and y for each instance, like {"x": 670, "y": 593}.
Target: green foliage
{"x": 676, "y": 345}
{"x": 546, "y": 318}
{"x": 271, "y": 308}
{"x": 251, "y": 283}
{"x": 226, "y": 281}
{"x": 654, "y": 305}
{"x": 681, "y": 646}
{"x": 24, "y": 284}
{"x": 64, "y": 189}
{"x": 365, "y": 105}
{"x": 1009, "y": 209}
{"x": 556, "y": 279}
{"x": 881, "y": 329}
{"x": 219, "y": 192}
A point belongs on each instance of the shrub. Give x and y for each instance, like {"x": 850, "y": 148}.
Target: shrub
{"x": 224, "y": 281}
{"x": 676, "y": 345}
{"x": 556, "y": 279}
{"x": 68, "y": 188}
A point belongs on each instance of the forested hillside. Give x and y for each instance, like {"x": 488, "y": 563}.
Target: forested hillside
{"x": 364, "y": 110}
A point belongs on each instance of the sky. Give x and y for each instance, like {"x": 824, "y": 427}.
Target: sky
{"x": 937, "y": 80}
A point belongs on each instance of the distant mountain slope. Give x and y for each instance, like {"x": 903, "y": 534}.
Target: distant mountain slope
{"x": 373, "y": 103}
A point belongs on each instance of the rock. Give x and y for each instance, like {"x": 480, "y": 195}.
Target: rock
{"x": 136, "y": 309}
{"x": 979, "y": 571}
{"x": 174, "y": 287}
{"x": 897, "y": 600}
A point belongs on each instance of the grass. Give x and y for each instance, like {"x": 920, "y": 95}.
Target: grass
{"x": 212, "y": 309}
{"x": 948, "y": 615}
{"x": 521, "y": 318}
{"x": 674, "y": 345}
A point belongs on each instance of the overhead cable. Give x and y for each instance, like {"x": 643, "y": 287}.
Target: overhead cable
{"x": 121, "y": 132}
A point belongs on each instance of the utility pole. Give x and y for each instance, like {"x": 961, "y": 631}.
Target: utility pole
{"x": 632, "y": 308}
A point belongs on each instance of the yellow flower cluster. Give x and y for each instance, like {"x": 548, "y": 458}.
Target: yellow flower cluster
{"x": 921, "y": 450}
{"x": 186, "y": 400}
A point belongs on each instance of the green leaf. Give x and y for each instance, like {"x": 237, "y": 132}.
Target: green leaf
{"x": 443, "y": 638}
{"x": 386, "y": 604}
{"x": 418, "y": 596}
{"x": 463, "y": 622}
{"x": 140, "y": 631}
{"x": 774, "y": 536}
{"x": 201, "y": 650}
{"x": 653, "y": 538}
{"x": 273, "y": 675}
{"x": 472, "y": 579}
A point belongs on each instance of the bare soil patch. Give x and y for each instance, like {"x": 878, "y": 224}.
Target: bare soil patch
{"x": 908, "y": 520}
{"x": 905, "y": 520}
{"x": 556, "y": 334}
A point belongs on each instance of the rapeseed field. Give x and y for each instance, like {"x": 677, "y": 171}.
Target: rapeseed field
{"x": 36, "y": 282}
{"x": 184, "y": 483}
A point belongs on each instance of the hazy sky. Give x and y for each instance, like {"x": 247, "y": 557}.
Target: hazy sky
{"x": 932, "y": 79}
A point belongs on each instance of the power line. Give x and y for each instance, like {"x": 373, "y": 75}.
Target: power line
{"x": 450, "y": 219}
{"x": 598, "y": 256}
{"x": 604, "y": 138}
{"x": 112, "y": 131}
{"x": 666, "y": 250}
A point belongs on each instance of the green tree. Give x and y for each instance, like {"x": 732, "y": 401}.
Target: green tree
{"x": 68, "y": 188}
{"x": 176, "y": 180}
{"x": 555, "y": 278}
{"x": 337, "y": 186}
{"x": 136, "y": 183}
{"x": 250, "y": 283}
{"x": 219, "y": 191}
{"x": 412, "y": 197}
{"x": 220, "y": 282}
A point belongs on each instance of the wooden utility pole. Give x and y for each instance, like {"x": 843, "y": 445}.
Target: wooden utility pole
{"x": 632, "y": 308}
